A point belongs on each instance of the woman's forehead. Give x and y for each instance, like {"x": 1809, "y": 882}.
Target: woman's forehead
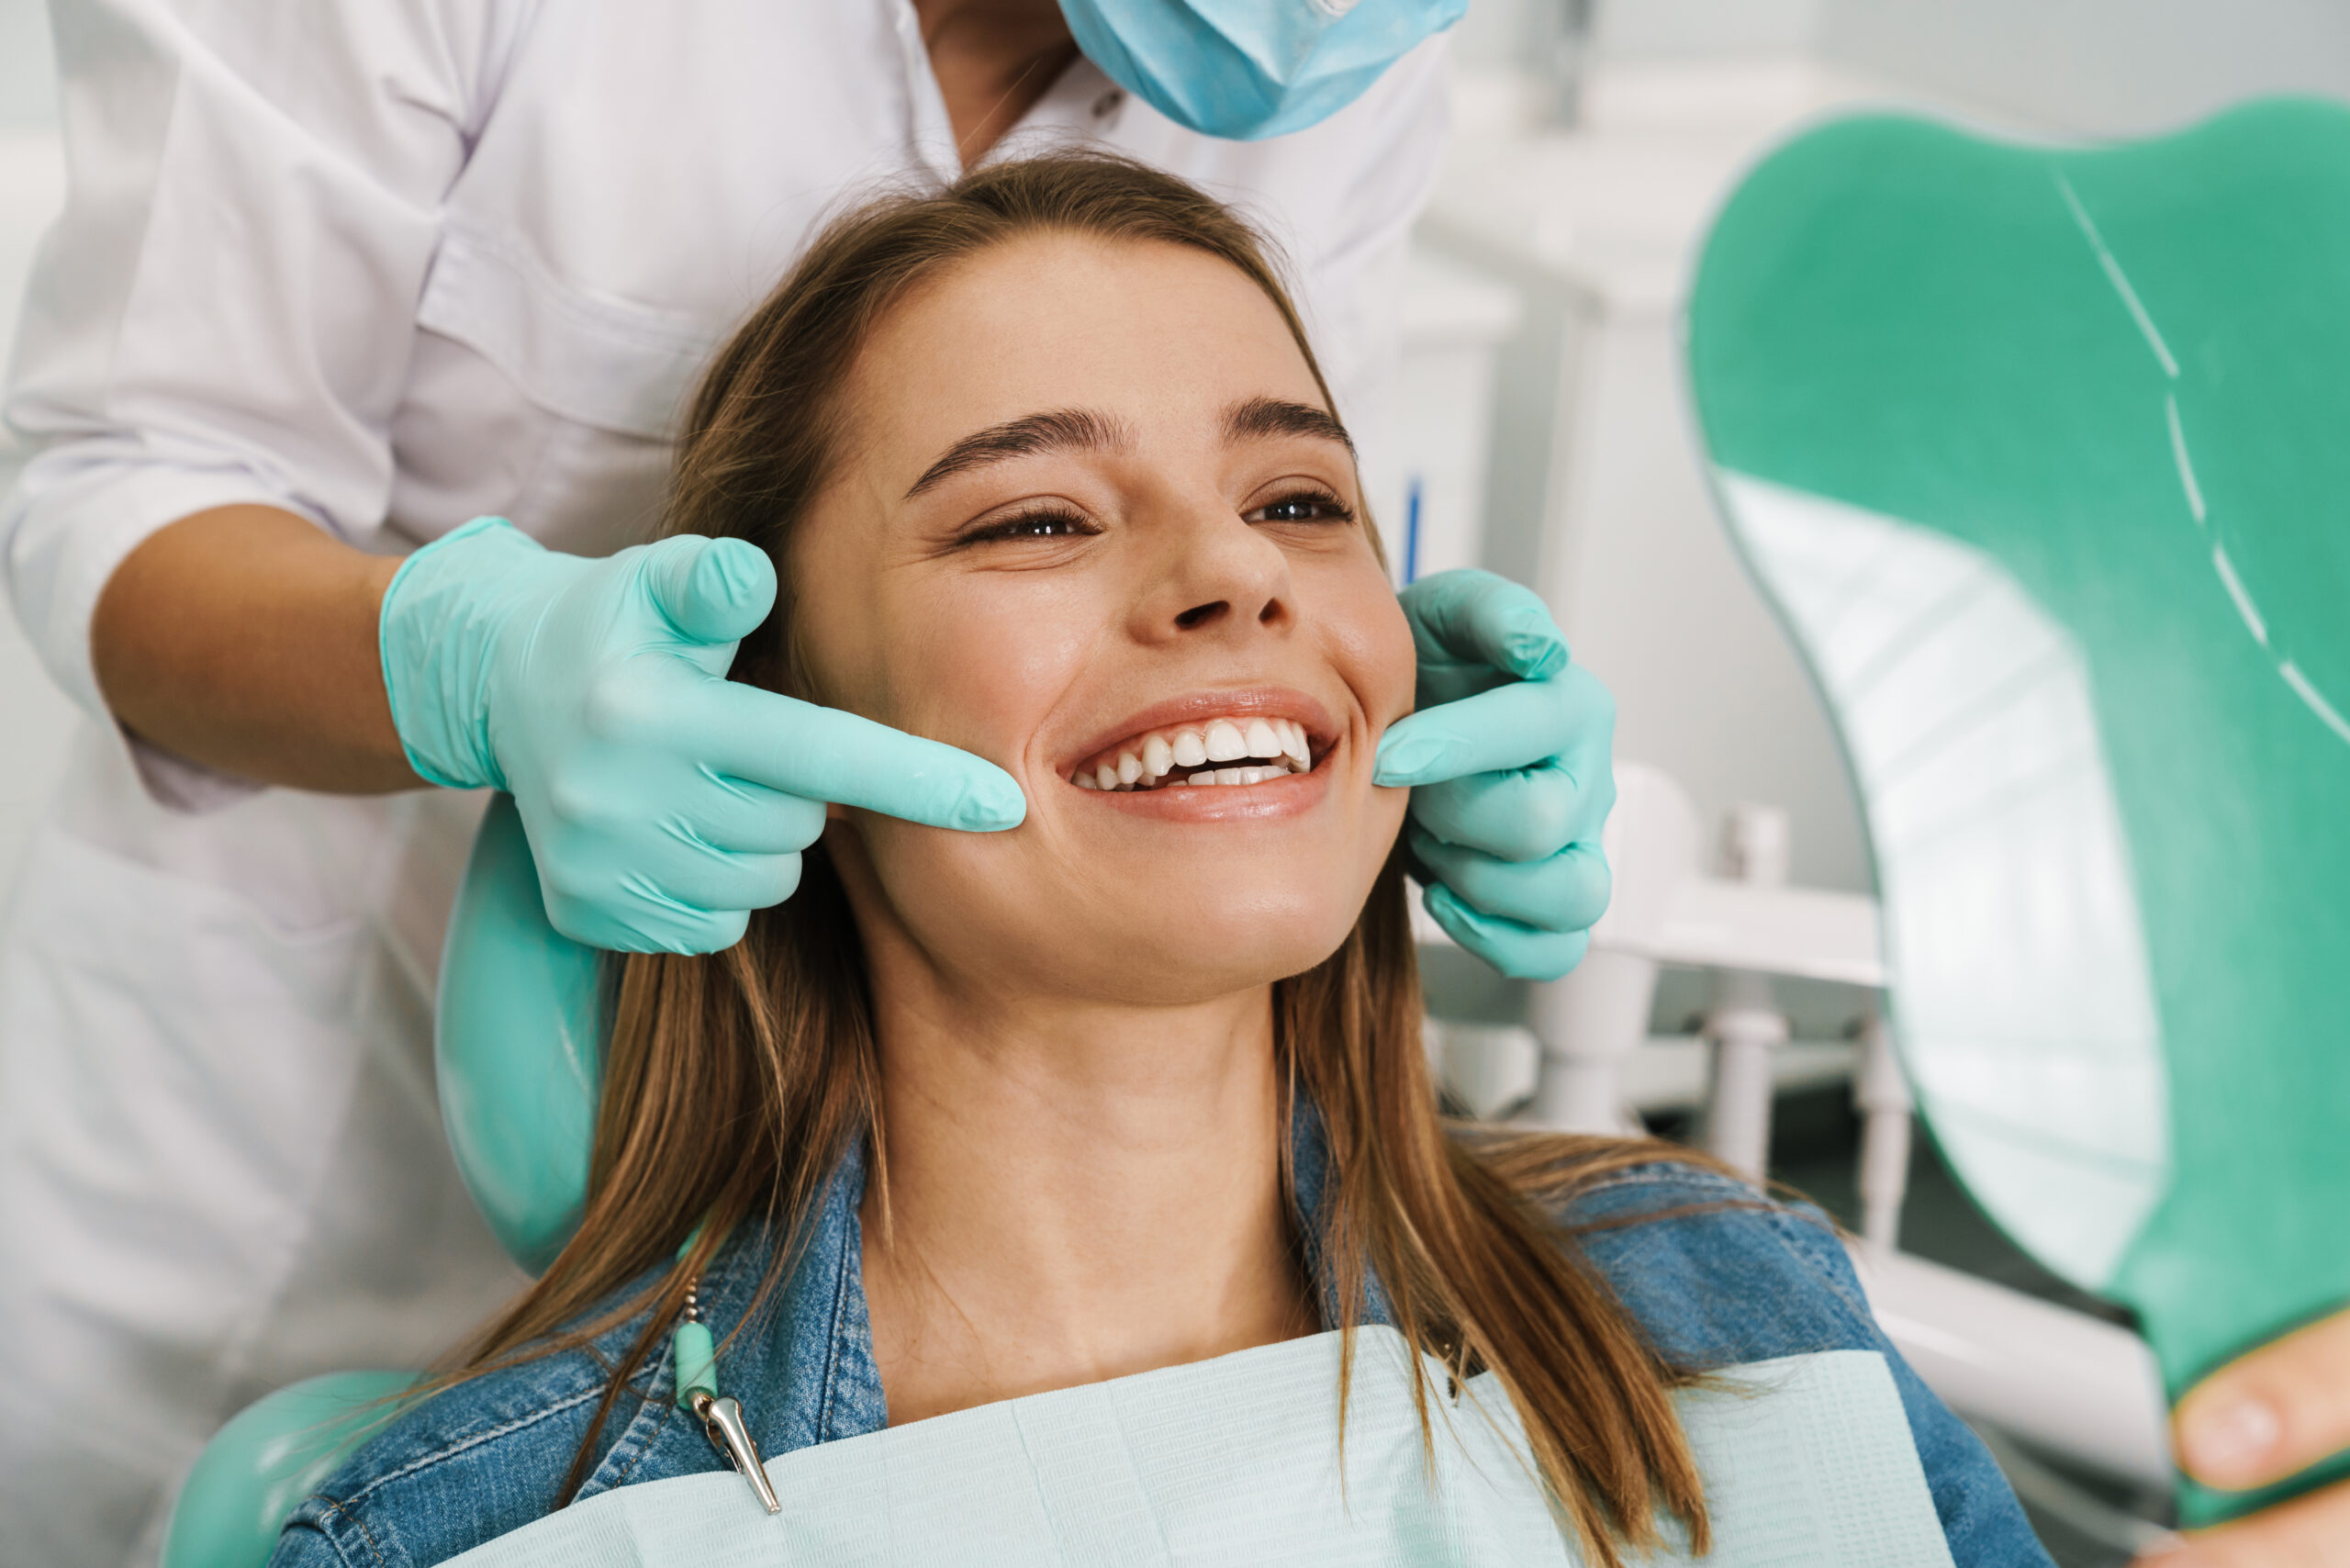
{"x": 1155, "y": 339}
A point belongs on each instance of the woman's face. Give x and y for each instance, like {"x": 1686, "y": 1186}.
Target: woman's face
{"x": 1094, "y": 522}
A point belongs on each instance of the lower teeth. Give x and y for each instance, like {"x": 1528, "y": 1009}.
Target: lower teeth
{"x": 1249, "y": 773}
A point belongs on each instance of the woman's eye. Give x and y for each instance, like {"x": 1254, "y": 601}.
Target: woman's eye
{"x": 1033, "y": 525}
{"x": 1306, "y": 506}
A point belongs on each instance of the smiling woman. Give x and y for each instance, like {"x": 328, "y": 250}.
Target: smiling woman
{"x": 1139, "y": 1084}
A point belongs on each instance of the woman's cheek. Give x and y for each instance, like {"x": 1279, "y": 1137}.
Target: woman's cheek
{"x": 1399, "y": 660}
{"x": 987, "y": 669}
{"x": 1374, "y": 645}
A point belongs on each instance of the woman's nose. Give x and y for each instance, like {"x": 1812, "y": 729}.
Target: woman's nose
{"x": 1224, "y": 578}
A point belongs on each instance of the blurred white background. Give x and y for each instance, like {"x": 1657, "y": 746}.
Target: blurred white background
{"x": 34, "y": 718}
{"x": 1547, "y": 286}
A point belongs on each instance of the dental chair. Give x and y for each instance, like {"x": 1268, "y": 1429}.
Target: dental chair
{"x": 518, "y": 1052}
{"x": 2043, "y": 456}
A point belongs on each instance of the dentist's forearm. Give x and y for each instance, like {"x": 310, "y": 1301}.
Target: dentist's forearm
{"x": 244, "y": 638}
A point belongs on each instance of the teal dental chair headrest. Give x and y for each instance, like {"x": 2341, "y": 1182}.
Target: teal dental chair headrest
{"x": 518, "y": 1052}
{"x": 518, "y": 1047}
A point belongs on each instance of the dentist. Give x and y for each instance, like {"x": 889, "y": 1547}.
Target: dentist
{"x": 334, "y": 284}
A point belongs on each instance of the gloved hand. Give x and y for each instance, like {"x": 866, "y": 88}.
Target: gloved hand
{"x": 663, "y": 803}
{"x": 1508, "y": 763}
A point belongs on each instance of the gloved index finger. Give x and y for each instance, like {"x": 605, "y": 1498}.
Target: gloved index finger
{"x": 825, "y": 754}
{"x": 1476, "y": 617}
{"x": 1515, "y": 725}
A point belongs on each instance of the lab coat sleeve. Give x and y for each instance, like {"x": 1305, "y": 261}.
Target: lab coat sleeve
{"x": 224, "y": 312}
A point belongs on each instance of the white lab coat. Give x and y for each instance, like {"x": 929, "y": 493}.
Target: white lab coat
{"x": 391, "y": 265}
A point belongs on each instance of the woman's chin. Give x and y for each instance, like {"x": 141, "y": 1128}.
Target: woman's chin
{"x": 1131, "y": 951}
{"x": 1123, "y": 905}
{"x": 1183, "y": 953}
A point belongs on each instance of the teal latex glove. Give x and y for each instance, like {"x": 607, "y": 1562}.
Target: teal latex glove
{"x": 662, "y": 802}
{"x": 1508, "y": 763}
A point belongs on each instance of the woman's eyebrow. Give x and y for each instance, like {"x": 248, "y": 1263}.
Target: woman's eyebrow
{"x": 1277, "y": 416}
{"x": 1059, "y": 430}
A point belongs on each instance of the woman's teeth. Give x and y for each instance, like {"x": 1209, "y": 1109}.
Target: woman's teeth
{"x": 1246, "y": 751}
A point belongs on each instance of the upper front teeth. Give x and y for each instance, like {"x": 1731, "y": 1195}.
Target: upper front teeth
{"x": 1276, "y": 747}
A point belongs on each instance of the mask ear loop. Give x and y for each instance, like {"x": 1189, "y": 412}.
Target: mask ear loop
{"x": 696, "y": 1359}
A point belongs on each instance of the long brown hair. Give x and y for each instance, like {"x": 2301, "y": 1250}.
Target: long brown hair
{"x": 735, "y": 1082}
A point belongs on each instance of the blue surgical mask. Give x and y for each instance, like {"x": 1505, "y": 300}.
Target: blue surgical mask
{"x": 1245, "y": 69}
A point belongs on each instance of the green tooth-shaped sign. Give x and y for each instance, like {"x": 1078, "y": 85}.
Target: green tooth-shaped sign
{"x": 2043, "y": 456}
